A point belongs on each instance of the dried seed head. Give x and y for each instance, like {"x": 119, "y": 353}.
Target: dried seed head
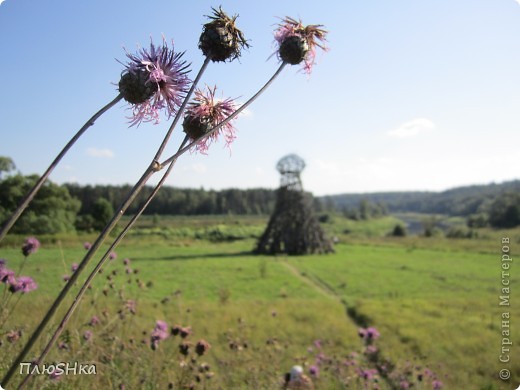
{"x": 196, "y": 126}
{"x": 293, "y": 49}
{"x": 221, "y": 40}
{"x": 135, "y": 88}
{"x": 298, "y": 43}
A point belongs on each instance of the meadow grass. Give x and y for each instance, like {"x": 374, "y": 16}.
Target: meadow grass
{"x": 435, "y": 302}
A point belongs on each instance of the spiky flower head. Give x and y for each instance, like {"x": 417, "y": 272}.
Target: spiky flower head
{"x": 23, "y": 284}
{"x": 221, "y": 40}
{"x": 204, "y": 113}
{"x": 154, "y": 79}
{"x": 30, "y": 245}
{"x": 297, "y": 43}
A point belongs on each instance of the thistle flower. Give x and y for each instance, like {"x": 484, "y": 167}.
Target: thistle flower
{"x": 30, "y": 246}
{"x": 159, "y": 333}
{"x": 23, "y": 284}
{"x": 202, "y": 347}
{"x": 87, "y": 335}
{"x": 7, "y": 275}
{"x": 74, "y": 267}
{"x": 203, "y": 114}
{"x": 221, "y": 40}
{"x": 87, "y": 245}
{"x": 297, "y": 43}
{"x": 112, "y": 255}
{"x": 154, "y": 79}
{"x": 94, "y": 321}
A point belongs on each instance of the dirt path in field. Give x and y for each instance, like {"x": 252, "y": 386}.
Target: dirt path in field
{"x": 322, "y": 288}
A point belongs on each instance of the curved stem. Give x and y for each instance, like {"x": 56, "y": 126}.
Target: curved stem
{"x": 181, "y": 110}
{"x": 154, "y": 167}
{"x": 32, "y": 193}
{"x": 95, "y": 246}
{"x": 100, "y": 264}
{"x": 229, "y": 118}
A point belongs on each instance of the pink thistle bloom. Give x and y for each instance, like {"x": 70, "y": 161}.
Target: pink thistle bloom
{"x": 112, "y": 255}
{"x": 94, "y": 321}
{"x": 23, "y": 284}
{"x": 126, "y": 261}
{"x": 55, "y": 375}
{"x": 87, "y": 335}
{"x": 87, "y": 245}
{"x": 372, "y": 333}
{"x": 298, "y": 43}
{"x": 203, "y": 114}
{"x": 166, "y": 74}
{"x": 66, "y": 278}
{"x": 159, "y": 333}
{"x": 437, "y": 385}
{"x": 74, "y": 267}
{"x": 314, "y": 371}
{"x": 31, "y": 245}
{"x": 367, "y": 374}
{"x": 7, "y": 276}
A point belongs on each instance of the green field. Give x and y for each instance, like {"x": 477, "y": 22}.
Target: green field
{"x": 435, "y": 302}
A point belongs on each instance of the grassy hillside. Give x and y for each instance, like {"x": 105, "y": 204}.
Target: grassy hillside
{"x": 434, "y": 301}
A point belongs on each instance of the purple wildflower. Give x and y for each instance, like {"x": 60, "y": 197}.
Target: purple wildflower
{"x": 367, "y": 374}
{"x": 87, "y": 245}
{"x": 126, "y": 261}
{"x": 23, "y": 284}
{"x": 202, "y": 347}
{"x": 87, "y": 335}
{"x": 94, "y": 321}
{"x": 7, "y": 276}
{"x": 297, "y": 43}
{"x": 437, "y": 385}
{"x": 159, "y": 333}
{"x": 55, "y": 375}
{"x": 74, "y": 267}
{"x": 372, "y": 333}
{"x": 160, "y": 70}
{"x": 112, "y": 255}
{"x": 66, "y": 278}
{"x": 3, "y": 263}
{"x": 404, "y": 385}
{"x": 30, "y": 246}
{"x": 314, "y": 371}
{"x": 203, "y": 114}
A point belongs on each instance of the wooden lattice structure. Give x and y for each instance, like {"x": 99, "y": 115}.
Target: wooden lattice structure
{"x": 293, "y": 228}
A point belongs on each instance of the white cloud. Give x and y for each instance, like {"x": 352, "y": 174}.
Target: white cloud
{"x": 412, "y": 128}
{"x": 100, "y": 153}
{"x": 199, "y": 168}
{"x": 1, "y": 1}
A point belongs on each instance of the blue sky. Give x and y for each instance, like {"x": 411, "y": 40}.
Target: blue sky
{"x": 413, "y": 95}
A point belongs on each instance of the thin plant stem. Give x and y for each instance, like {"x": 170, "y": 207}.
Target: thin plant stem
{"x": 100, "y": 264}
{"x": 154, "y": 167}
{"x": 32, "y": 193}
{"x": 170, "y": 162}
{"x": 229, "y": 118}
{"x": 36, "y": 334}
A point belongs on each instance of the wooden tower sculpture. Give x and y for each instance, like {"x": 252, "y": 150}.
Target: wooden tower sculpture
{"x": 293, "y": 228}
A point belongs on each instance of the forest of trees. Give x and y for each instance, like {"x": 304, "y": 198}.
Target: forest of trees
{"x": 68, "y": 207}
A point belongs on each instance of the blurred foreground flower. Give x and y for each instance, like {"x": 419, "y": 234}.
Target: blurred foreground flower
{"x": 221, "y": 40}
{"x": 298, "y": 43}
{"x": 203, "y": 114}
{"x": 154, "y": 79}
{"x": 30, "y": 246}
{"x": 23, "y": 284}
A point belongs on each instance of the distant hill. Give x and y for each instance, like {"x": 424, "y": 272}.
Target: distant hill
{"x": 459, "y": 201}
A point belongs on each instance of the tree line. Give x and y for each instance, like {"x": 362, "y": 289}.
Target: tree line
{"x": 69, "y": 207}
